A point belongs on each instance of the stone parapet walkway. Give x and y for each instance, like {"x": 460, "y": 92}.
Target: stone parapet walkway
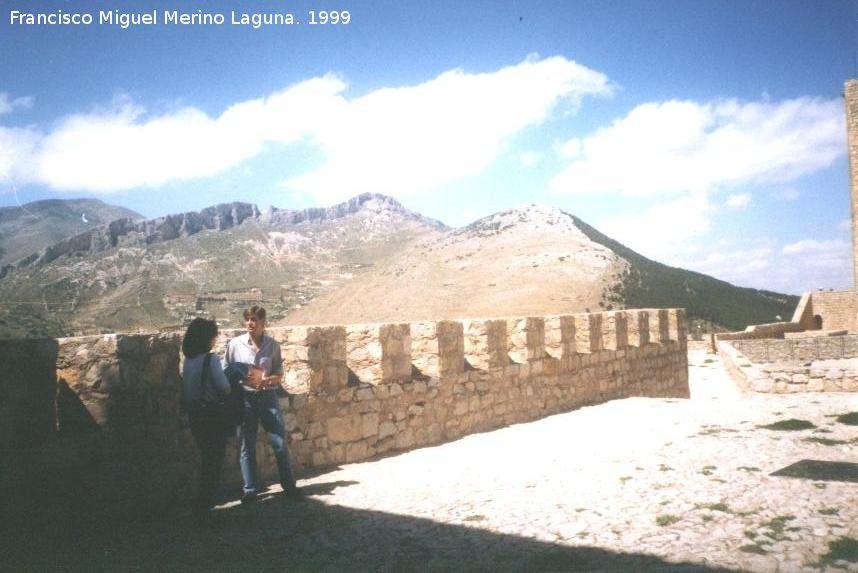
{"x": 635, "y": 484}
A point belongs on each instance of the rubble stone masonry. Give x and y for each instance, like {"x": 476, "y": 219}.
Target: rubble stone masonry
{"x": 790, "y": 366}
{"x": 94, "y": 421}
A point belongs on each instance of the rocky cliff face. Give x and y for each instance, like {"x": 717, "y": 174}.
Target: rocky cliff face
{"x": 128, "y": 232}
{"x": 159, "y": 273}
{"x": 371, "y": 202}
{"x": 30, "y": 228}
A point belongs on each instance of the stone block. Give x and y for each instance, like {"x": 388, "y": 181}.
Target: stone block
{"x": 369, "y": 424}
{"x": 345, "y": 428}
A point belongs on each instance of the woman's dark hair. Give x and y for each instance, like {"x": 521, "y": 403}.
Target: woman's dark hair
{"x": 198, "y": 338}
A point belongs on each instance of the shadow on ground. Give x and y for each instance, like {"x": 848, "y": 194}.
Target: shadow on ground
{"x": 302, "y": 535}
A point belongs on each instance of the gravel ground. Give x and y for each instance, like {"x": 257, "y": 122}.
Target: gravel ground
{"x": 635, "y": 484}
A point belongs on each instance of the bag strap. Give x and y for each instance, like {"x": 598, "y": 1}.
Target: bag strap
{"x": 205, "y": 382}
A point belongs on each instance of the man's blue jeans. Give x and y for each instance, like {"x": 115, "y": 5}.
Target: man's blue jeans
{"x": 263, "y": 407}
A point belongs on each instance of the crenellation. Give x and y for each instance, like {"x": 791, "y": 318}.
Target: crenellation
{"x": 615, "y": 330}
{"x": 676, "y": 326}
{"x": 352, "y": 391}
{"x": 663, "y": 326}
{"x": 396, "y": 352}
{"x": 451, "y": 347}
{"x": 326, "y": 359}
{"x": 588, "y": 333}
{"x": 486, "y": 344}
{"x": 638, "y": 328}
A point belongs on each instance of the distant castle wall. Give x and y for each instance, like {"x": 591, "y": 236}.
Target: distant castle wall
{"x": 94, "y": 421}
{"x": 818, "y": 364}
{"x": 819, "y": 310}
{"x": 837, "y": 310}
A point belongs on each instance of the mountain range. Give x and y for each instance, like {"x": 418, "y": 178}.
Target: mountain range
{"x": 366, "y": 260}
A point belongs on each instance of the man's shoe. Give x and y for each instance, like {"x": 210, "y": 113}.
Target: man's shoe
{"x": 293, "y": 493}
{"x": 248, "y": 497}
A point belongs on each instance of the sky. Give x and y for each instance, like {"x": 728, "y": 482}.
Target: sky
{"x": 708, "y": 135}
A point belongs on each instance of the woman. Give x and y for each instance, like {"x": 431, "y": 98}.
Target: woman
{"x": 208, "y": 433}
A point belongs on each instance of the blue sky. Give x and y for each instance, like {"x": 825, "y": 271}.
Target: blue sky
{"x": 707, "y": 135}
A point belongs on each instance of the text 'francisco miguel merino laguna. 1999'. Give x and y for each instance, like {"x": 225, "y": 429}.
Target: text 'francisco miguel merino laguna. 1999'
{"x": 175, "y": 18}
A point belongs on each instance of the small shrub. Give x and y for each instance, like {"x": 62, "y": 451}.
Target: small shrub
{"x": 825, "y": 441}
{"x": 709, "y": 361}
{"x": 777, "y": 525}
{"x": 829, "y": 511}
{"x": 666, "y": 519}
{"x": 720, "y": 506}
{"x": 753, "y": 549}
{"x": 850, "y": 419}
{"x": 843, "y": 549}
{"x": 791, "y": 425}
{"x": 475, "y": 517}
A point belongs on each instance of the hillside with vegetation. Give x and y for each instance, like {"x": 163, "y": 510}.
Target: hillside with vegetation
{"x": 649, "y": 284}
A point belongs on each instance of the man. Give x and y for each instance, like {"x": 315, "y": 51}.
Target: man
{"x": 260, "y": 402}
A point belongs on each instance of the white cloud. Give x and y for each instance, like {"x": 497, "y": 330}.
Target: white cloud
{"x": 738, "y": 201}
{"x": 662, "y": 231}
{"x": 834, "y": 247}
{"x": 788, "y": 194}
{"x": 410, "y": 139}
{"x": 569, "y": 149}
{"x": 760, "y": 263}
{"x": 8, "y": 105}
{"x": 530, "y": 158}
{"x": 396, "y": 140}
{"x": 121, "y": 148}
{"x": 736, "y": 266}
{"x": 680, "y": 146}
{"x": 16, "y": 149}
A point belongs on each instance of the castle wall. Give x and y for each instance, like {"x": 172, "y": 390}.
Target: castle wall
{"x": 837, "y": 309}
{"x": 798, "y": 349}
{"x": 783, "y": 368}
{"x": 94, "y": 421}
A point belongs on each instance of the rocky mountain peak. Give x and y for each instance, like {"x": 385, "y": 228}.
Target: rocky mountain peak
{"x": 365, "y": 203}
{"x": 523, "y": 220}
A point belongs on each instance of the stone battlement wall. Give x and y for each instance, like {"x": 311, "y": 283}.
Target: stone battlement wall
{"x": 820, "y": 310}
{"x": 94, "y": 421}
{"x": 779, "y": 373}
{"x": 799, "y": 349}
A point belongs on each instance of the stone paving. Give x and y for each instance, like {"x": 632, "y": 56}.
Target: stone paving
{"x": 635, "y": 484}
